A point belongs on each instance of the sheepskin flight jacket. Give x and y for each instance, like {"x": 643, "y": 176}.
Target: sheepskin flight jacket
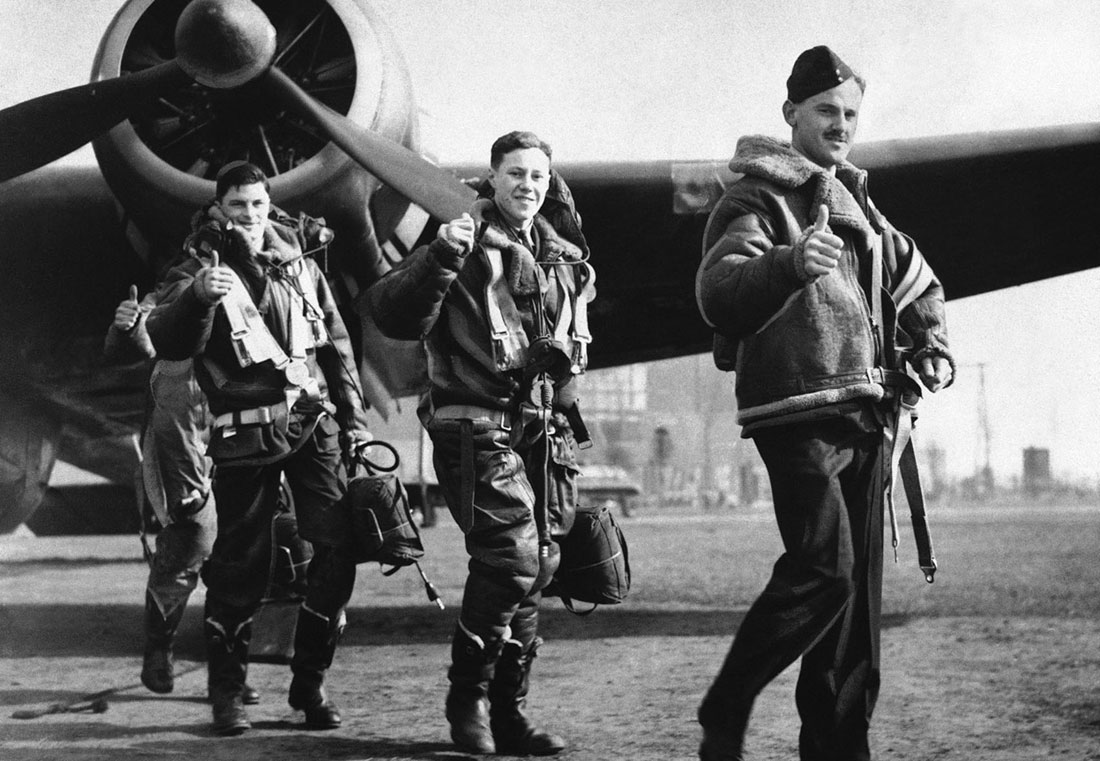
{"x": 799, "y": 343}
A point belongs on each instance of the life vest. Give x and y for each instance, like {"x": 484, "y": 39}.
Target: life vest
{"x": 252, "y": 340}
{"x": 574, "y": 282}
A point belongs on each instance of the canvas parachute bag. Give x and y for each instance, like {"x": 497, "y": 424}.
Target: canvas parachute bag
{"x": 595, "y": 562}
{"x": 382, "y": 525}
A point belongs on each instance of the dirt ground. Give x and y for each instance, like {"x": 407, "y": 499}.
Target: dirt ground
{"x": 999, "y": 660}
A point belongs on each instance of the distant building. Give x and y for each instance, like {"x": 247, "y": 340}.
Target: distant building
{"x": 1037, "y": 478}
{"x": 673, "y": 424}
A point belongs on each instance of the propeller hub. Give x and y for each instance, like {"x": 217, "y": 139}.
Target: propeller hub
{"x": 224, "y": 43}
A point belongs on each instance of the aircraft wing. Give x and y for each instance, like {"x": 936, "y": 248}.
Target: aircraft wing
{"x": 989, "y": 211}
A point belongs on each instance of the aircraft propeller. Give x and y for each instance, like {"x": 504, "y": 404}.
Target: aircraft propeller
{"x": 222, "y": 44}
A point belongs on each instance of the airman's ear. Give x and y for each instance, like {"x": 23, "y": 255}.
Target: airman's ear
{"x": 492, "y": 178}
{"x": 788, "y": 112}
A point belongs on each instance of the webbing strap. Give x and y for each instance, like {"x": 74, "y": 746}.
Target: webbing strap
{"x": 876, "y": 297}
{"x": 252, "y": 341}
{"x": 896, "y": 435}
{"x": 505, "y": 324}
{"x": 910, "y": 478}
{"x": 467, "y": 473}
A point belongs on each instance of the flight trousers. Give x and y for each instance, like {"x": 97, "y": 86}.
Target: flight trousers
{"x": 176, "y": 478}
{"x": 240, "y": 566}
{"x": 823, "y": 602}
{"x": 493, "y": 485}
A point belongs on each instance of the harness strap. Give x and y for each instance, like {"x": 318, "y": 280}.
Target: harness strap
{"x": 473, "y": 412}
{"x": 505, "y": 325}
{"x": 253, "y": 342}
{"x": 254, "y": 416}
{"x": 251, "y": 339}
{"x": 569, "y": 328}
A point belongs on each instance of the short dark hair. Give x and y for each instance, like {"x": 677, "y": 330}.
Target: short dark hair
{"x": 515, "y": 141}
{"x": 237, "y": 173}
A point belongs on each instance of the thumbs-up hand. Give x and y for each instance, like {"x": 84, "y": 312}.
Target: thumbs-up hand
{"x": 128, "y": 311}
{"x": 213, "y": 281}
{"x": 820, "y": 248}
{"x": 459, "y": 232}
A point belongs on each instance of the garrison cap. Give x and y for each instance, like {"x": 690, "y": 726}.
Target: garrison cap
{"x": 816, "y": 70}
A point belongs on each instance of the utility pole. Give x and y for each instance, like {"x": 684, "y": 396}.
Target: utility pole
{"x": 985, "y": 473}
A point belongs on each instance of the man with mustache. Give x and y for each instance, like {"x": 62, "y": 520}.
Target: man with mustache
{"x": 500, "y": 300}
{"x": 818, "y": 304}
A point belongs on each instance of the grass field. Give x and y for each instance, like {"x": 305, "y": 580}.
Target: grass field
{"x": 1012, "y": 563}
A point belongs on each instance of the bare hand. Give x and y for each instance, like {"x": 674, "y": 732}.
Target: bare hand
{"x": 353, "y": 441}
{"x": 128, "y": 311}
{"x": 934, "y": 372}
{"x": 213, "y": 282}
{"x": 458, "y": 232}
{"x": 821, "y": 251}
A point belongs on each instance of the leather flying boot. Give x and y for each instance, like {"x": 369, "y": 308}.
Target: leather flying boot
{"x": 314, "y": 646}
{"x": 513, "y": 732}
{"x": 160, "y": 632}
{"x": 228, "y": 633}
{"x": 472, "y": 665}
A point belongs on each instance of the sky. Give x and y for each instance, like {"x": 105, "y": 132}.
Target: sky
{"x": 684, "y": 79}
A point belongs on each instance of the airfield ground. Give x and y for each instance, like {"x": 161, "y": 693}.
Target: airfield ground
{"x": 999, "y": 660}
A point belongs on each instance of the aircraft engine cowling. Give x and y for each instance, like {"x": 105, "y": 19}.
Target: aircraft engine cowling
{"x": 161, "y": 163}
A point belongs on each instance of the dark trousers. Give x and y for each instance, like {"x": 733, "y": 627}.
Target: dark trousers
{"x": 241, "y": 562}
{"x": 493, "y": 490}
{"x": 824, "y": 599}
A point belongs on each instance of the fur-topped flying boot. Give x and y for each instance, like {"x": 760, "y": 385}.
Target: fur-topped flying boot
{"x": 513, "y": 732}
{"x": 157, "y": 671}
{"x": 228, "y": 632}
{"x": 472, "y": 664}
{"x": 314, "y": 647}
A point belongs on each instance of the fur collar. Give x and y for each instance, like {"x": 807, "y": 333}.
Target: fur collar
{"x": 521, "y": 276}
{"x": 776, "y": 161}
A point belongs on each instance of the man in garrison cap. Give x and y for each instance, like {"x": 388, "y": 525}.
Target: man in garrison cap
{"x": 826, "y": 313}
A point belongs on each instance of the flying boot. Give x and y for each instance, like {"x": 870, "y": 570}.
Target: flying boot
{"x": 513, "y": 732}
{"x": 314, "y": 646}
{"x": 250, "y": 696}
{"x": 228, "y": 632}
{"x": 472, "y": 665}
{"x": 160, "y": 632}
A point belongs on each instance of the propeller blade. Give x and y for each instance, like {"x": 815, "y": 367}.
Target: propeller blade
{"x": 38, "y": 131}
{"x": 435, "y": 190}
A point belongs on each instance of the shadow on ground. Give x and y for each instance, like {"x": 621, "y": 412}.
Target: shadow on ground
{"x": 28, "y": 631}
{"x": 196, "y": 743}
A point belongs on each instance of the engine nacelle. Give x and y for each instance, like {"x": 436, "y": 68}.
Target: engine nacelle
{"x": 161, "y": 164}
